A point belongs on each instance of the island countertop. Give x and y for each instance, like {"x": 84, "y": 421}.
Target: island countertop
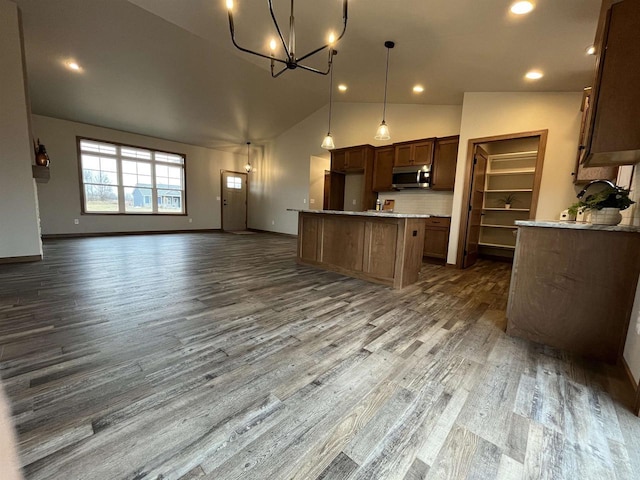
{"x": 578, "y": 226}
{"x": 382, "y": 214}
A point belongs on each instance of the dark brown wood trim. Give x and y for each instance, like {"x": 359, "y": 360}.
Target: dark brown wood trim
{"x": 257, "y": 230}
{"x": 542, "y": 145}
{"x": 53, "y": 236}
{"x": 81, "y": 182}
{"x": 24, "y": 259}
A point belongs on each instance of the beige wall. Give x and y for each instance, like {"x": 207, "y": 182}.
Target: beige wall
{"x": 60, "y": 198}
{"x": 19, "y": 228}
{"x": 317, "y": 167}
{"x": 632, "y": 346}
{"x": 282, "y": 180}
{"x": 490, "y": 114}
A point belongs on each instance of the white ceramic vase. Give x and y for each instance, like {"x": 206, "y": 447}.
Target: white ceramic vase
{"x": 606, "y": 216}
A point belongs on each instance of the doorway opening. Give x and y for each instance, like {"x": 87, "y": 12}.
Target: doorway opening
{"x": 234, "y": 201}
{"x": 502, "y": 185}
{"x": 318, "y": 166}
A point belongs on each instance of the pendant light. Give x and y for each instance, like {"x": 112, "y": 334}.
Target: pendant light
{"x": 328, "y": 140}
{"x": 248, "y": 167}
{"x": 383, "y": 129}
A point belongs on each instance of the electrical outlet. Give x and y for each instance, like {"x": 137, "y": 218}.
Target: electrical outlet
{"x": 273, "y": 222}
{"x": 312, "y": 201}
{"x": 191, "y": 220}
{"x": 354, "y": 201}
{"x": 304, "y": 200}
{"x": 218, "y": 198}
{"x": 76, "y": 221}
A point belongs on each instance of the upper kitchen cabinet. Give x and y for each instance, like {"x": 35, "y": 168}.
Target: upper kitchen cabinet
{"x": 444, "y": 163}
{"x": 383, "y": 169}
{"x": 581, "y": 173}
{"x": 351, "y": 159}
{"x": 612, "y": 134}
{"x": 417, "y": 152}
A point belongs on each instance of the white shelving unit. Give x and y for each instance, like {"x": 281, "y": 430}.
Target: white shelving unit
{"x": 509, "y": 173}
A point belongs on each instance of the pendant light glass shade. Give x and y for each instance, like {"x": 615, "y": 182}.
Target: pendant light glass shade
{"x": 383, "y": 129}
{"x": 383, "y": 132}
{"x": 328, "y": 142}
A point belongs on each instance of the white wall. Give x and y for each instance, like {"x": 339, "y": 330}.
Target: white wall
{"x": 490, "y": 114}
{"x": 282, "y": 179}
{"x": 19, "y": 228}
{"x": 60, "y": 197}
{"x": 632, "y": 346}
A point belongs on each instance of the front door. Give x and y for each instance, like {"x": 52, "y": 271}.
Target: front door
{"x": 234, "y": 201}
{"x": 476, "y": 199}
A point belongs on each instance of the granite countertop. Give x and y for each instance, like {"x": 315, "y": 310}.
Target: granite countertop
{"x": 578, "y": 226}
{"x": 362, "y": 214}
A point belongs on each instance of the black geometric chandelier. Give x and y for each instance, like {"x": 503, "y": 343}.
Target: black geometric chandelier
{"x": 291, "y": 61}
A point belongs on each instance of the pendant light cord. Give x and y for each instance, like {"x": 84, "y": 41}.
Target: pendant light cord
{"x": 330, "y": 96}
{"x": 386, "y": 78}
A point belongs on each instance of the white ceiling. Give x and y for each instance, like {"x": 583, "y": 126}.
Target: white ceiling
{"x": 167, "y": 68}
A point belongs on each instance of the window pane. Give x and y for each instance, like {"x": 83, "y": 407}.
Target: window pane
{"x": 234, "y": 182}
{"x": 168, "y": 157}
{"x": 97, "y": 147}
{"x": 135, "y": 153}
{"x": 100, "y": 198}
{"x": 129, "y": 167}
{"x": 96, "y": 176}
{"x": 137, "y": 200}
{"x": 170, "y": 201}
{"x": 91, "y": 162}
{"x": 108, "y": 164}
{"x": 162, "y": 171}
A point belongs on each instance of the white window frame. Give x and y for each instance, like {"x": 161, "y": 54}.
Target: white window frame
{"x": 153, "y": 161}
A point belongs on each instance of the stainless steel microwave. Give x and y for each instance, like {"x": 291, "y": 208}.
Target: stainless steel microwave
{"x": 417, "y": 176}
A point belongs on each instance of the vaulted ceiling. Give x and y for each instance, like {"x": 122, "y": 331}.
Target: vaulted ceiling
{"x": 167, "y": 68}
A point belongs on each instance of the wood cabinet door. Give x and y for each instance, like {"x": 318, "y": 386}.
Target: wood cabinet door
{"x": 584, "y": 174}
{"x": 338, "y": 160}
{"x": 443, "y": 174}
{"x": 383, "y": 169}
{"x": 355, "y": 158}
{"x": 423, "y": 152}
{"x": 436, "y": 242}
{"x": 403, "y": 155}
{"x": 613, "y": 123}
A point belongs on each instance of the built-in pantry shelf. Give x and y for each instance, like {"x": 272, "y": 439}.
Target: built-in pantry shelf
{"x": 508, "y": 209}
{"x": 513, "y": 227}
{"x": 515, "y": 190}
{"x": 497, "y": 245}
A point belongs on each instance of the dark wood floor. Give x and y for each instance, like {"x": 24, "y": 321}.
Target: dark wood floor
{"x": 216, "y": 356}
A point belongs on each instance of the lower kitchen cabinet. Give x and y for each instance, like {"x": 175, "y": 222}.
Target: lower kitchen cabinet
{"x": 436, "y": 237}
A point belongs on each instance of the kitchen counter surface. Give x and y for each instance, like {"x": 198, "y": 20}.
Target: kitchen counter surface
{"x": 578, "y": 226}
{"x": 362, "y": 214}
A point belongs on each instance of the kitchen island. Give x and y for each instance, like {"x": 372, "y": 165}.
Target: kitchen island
{"x": 573, "y": 286}
{"x": 380, "y": 247}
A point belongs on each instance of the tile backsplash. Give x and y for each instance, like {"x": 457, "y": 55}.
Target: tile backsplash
{"x": 420, "y": 201}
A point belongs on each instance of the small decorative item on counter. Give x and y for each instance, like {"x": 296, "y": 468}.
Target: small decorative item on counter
{"x": 604, "y": 205}
{"x": 508, "y": 200}
{"x": 388, "y": 205}
{"x": 378, "y": 205}
{"x": 565, "y": 216}
{"x": 42, "y": 159}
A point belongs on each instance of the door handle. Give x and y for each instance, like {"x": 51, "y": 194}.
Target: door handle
{"x": 224, "y": 202}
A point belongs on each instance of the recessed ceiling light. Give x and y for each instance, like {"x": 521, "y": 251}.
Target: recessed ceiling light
{"x": 534, "y": 75}
{"x": 71, "y": 65}
{"x": 521, "y": 8}
{"x": 591, "y": 50}
{"x": 418, "y": 89}
{"x": 342, "y": 88}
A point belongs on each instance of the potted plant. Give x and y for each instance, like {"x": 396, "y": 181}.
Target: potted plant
{"x": 508, "y": 199}
{"x": 604, "y": 205}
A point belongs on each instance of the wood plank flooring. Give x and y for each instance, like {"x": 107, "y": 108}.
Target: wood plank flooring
{"x": 216, "y": 356}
